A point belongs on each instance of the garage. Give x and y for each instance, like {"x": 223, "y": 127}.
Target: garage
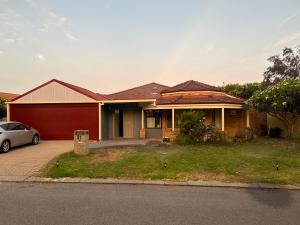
{"x": 56, "y": 109}
{"x": 58, "y": 121}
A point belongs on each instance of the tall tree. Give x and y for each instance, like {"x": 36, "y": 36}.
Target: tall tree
{"x": 244, "y": 91}
{"x": 282, "y": 101}
{"x": 283, "y": 66}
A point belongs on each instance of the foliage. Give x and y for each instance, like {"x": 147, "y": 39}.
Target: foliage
{"x": 2, "y": 108}
{"x": 250, "y": 134}
{"x": 183, "y": 139}
{"x": 188, "y": 120}
{"x": 194, "y": 130}
{"x": 283, "y": 67}
{"x": 205, "y": 133}
{"x": 281, "y": 101}
{"x": 244, "y": 91}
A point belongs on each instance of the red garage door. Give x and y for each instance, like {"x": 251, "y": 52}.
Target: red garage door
{"x": 58, "y": 121}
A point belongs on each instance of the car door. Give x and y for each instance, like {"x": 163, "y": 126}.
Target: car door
{"x": 24, "y": 135}
{"x": 14, "y": 135}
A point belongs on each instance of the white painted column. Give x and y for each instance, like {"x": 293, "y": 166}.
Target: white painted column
{"x": 223, "y": 119}
{"x": 100, "y": 120}
{"x": 143, "y": 120}
{"x": 248, "y": 119}
{"x": 173, "y": 119}
{"x": 8, "y": 112}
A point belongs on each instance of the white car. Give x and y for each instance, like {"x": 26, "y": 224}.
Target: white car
{"x": 14, "y": 134}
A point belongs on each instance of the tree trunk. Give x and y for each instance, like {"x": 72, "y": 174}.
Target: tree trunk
{"x": 289, "y": 132}
{"x": 289, "y": 125}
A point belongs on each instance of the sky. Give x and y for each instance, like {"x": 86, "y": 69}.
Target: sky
{"x": 112, "y": 45}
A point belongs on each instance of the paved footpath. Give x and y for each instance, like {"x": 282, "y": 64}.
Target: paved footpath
{"x": 49, "y": 203}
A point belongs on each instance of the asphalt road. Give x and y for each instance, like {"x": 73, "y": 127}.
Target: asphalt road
{"x": 84, "y": 204}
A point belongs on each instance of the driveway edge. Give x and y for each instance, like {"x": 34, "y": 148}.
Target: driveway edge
{"x": 200, "y": 183}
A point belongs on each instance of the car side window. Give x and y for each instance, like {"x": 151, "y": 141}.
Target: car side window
{"x": 12, "y": 126}
{"x": 4, "y": 126}
{"x": 19, "y": 127}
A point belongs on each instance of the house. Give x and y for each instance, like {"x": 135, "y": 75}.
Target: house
{"x": 6, "y": 97}
{"x": 153, "y": 110}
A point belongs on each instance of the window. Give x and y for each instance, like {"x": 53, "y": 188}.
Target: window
{"x": 4, "y": 126}
{"x": 20, "y": 127}
{"x": 168, "y": 118}
{"x": 12, "y": 126}
{"x": 233, "y": 112}
{"x": 150, "y": 121}
{"x": 153, "y": 119}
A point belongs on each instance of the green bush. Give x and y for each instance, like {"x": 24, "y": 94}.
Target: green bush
{"x": 250, "y": 134}
{"x": 193, "y": 129}
{"x": 188, "y": 120}
{"x": 183, "y": 139}
{"x": 2, "y": 108}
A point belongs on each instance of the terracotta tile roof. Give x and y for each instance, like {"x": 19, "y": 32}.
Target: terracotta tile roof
{"x": 8, "y": 96}
{"x": 199, "y": 99}
{"x": 147, "y": 91}
{"x": 191, "y": 85}
{"x": 93, "y": 95}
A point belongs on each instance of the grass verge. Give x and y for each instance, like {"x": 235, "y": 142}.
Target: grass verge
{"x": 246, "y": 162}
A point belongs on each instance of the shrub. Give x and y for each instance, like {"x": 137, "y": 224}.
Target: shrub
{"x": 194, "y": 130}
{"x": 275, "y": 132}
{"x": 183, "y": 139}
{"x": 188, "y": 120}
{"x": 2, "y": 108}
{"x": 250, "y": 134}
{"x": 205, "y": 133}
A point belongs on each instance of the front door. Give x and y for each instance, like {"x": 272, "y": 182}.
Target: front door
{"x": 128, "y": 123}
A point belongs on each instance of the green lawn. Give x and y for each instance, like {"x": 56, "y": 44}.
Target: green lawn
{"x": 245, "y": 162}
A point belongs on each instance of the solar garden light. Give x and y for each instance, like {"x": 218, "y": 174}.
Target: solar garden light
{"x": 165, "y": 164}
{"x": 57, "y": 163}
{"x": 277, "y": 166}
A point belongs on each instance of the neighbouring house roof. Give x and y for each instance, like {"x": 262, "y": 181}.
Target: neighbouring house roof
{"x": 191, "y": 85}
{"x": 8, "y": 96}
{"x": 199, "y": 99}
{"x": 147, "y": 91}
{"x": 83, "y": 91}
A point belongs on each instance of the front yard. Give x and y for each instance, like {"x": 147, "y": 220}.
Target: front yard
{"x": 245, "y": 162}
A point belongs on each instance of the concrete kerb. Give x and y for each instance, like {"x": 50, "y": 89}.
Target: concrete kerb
{"x": 23, "y": 179}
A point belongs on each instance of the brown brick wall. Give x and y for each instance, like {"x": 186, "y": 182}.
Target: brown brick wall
{"x": 142, "y": 133}
{"x": 167, "y": 132}
{"x": 235, "y": 125}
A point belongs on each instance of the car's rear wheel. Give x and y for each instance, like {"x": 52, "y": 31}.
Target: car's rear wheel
{"x": 35, "y": 139}
{"x": 5, "y": 146}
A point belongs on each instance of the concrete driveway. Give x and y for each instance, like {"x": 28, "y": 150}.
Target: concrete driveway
{"x": 28, "y": 160}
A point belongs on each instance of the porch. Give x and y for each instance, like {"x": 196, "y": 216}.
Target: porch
{"x": 164, "y": 123}
{"x": 147, "y": 121}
